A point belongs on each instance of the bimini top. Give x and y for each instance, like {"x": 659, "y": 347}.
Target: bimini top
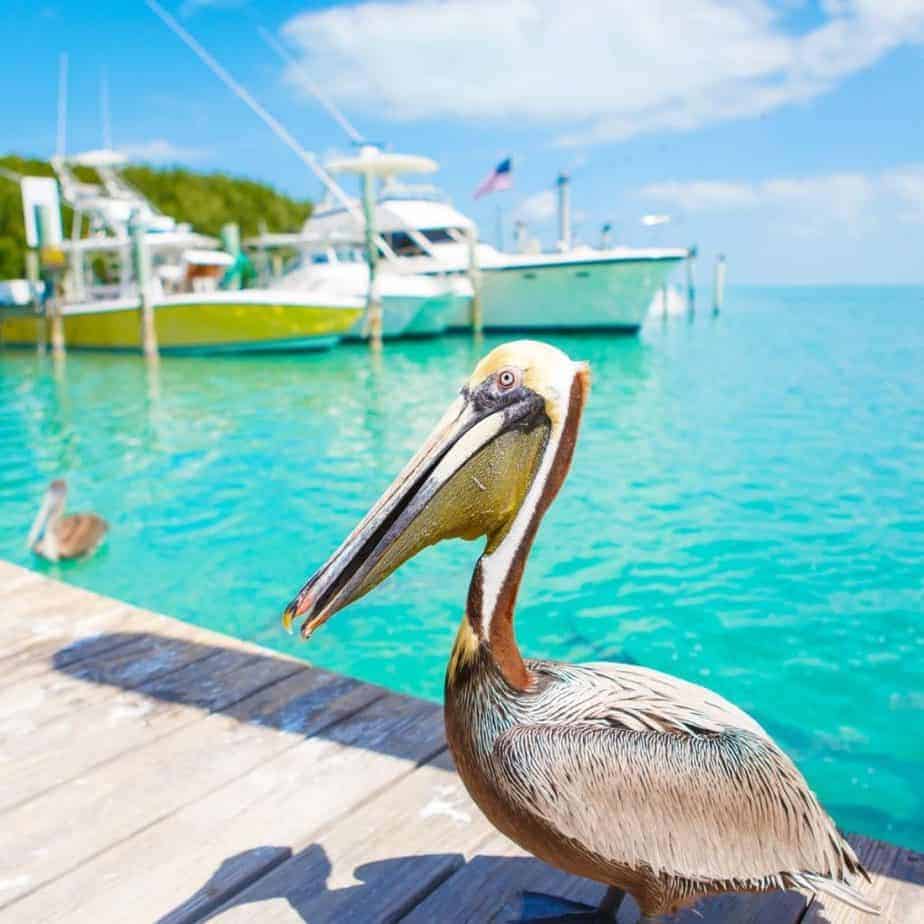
{"x": 102, "y": 157}
{"x": 375, "y": 162}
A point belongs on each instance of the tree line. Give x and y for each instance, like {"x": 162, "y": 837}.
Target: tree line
{"x": 205, "y": 200}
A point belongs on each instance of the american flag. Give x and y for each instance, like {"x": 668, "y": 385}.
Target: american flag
{"x": 500, "y": 178}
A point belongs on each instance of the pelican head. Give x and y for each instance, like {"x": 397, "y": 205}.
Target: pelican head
{"x": 50, "y": 511}
{"x": 489, "y": 469}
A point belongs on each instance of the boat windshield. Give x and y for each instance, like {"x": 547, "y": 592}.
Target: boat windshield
{"x": 404, "y": 245}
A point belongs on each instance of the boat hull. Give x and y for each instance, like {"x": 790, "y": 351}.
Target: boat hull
{"x": 228, "y": 322}
{"x": 612, "y": 295}
{"x": 397, "y": 313}
{"x": 432, "y": 317}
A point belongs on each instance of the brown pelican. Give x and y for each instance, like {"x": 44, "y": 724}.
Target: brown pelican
{"x": 54, "y": 535}
{"x": 632, "y": 778}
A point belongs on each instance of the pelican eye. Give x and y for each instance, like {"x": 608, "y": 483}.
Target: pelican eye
{"x": 507, "y": 379}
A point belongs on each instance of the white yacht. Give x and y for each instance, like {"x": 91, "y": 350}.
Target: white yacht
{"x": 334, "y": 257}
{"x": 570, "y": 288}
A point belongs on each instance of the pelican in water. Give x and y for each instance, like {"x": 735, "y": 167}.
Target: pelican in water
{"x": 55, "y": 536}
{"x": 633, "y": 778}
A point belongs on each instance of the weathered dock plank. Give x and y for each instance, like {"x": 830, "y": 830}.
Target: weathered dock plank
{"x": 154, "y": 771}
{"x": 485, "y": 888}
{"x": 380, "y": 863}
{"x": 40, "y": 621}
{"x": 237, "y": 833}
{"x": 107, "y": 804}
{"x": 52, "y": 693}
{"x": 897, "y": 887}
{"x": 43, "y": 757}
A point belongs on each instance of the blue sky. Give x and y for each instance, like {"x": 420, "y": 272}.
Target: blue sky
{"x": 788, "y": 135}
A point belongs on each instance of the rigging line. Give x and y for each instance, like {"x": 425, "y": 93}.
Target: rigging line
{"x": 312, "y": 87}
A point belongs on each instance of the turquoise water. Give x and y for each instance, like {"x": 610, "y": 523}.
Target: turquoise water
{"x": 746, "y": 510}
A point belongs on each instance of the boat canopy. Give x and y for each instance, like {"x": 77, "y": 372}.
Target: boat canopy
{"x": 393, "y": 217}
{"x": 101, "y": 157}
{"x": 375, "y": 162}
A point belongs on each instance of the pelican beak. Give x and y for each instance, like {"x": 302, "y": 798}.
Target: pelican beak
{"x": 467, "y": 480}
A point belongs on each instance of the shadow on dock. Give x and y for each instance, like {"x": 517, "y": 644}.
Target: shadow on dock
{"x": 259, "y": 689}
{"x": 301, "y": 879}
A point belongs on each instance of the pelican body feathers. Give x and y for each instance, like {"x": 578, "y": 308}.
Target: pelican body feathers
{"x": 637, "y": 779}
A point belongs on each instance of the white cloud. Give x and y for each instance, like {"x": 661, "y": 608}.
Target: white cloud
{"x": 159, "y": 151}
{"x": 607, "y": 69}
{"x": 702, "y": 194}
{"x": 538, "y": 208}
{"x": 850, "y": 203}
{"x": 908, "y": 184}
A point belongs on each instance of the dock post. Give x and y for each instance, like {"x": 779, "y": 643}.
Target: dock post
{"x": 57, "y": 326}
{"x": 51, "y": 260}
{"x": 32, "y": 274}
{"x": 373, "y": 302}
{"x": 564, "y": 212}
{"x": 691, "y": 281}
{"x": 231, "y": 244}
{"x": 261, "y": 258}
{"x": 142, "y": 263}
{"x": 474, "y": 276}
{"x": 718, "y": 292}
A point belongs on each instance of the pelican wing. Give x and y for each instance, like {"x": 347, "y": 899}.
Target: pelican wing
{"x": 661, "y": 701}
{"x": 79, "y": 534}
{"x": 716, "y": 807}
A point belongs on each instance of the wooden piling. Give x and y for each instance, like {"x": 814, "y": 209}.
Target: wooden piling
{"x": 32, "y": 274}
{"x": 690, "y": 266}
{"x": 142, "y": 265}
{"x": 718, "y": 291}
{"x": 231, "y": 244}
{"x": 51, "y": 260}
{"x": 373, "y": 302}
{"x": 474, "y": 276}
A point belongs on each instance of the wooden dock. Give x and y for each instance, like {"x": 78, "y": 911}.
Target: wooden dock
{"x": 152, "y": 771}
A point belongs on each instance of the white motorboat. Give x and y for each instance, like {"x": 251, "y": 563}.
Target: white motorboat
{"x": 413, "y": 304}
{"x": 570, "y": 288}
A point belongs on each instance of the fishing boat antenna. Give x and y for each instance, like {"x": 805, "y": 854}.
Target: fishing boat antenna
{"x": 326, "y": 104}
{"x": 104, "y": 109}
{"x": 62, "y": 105}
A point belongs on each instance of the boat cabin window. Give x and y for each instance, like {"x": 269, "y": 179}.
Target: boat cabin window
{"x": 319, "y": 258}
{"x": 441, "y": 235}
{"x": 403, "y": 245}
{"x": 349, "y": 254}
